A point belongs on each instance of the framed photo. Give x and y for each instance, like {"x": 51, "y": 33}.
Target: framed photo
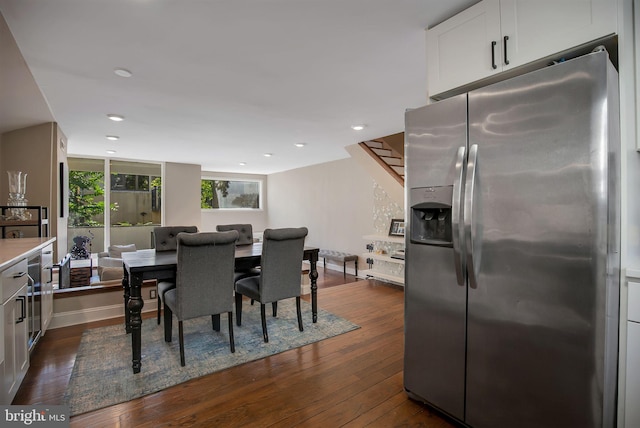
{"x": 397, "y": 227}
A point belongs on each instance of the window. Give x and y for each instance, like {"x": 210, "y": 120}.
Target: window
{"x": 230, "y": 194}
{"x": 135, "y": 188}
{"x": 86, "y": 192}
{"x": 113, "y": 202}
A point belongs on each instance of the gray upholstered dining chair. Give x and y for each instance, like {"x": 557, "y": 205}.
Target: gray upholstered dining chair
{"x": 165, "y": 238}
{"x": 204, "y": 282}
{"x": 282, "y": 253}
{"x": 244, "y": 268}
{"x": 245, "y": 232}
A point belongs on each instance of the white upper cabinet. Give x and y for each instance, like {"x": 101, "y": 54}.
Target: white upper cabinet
{"x": 497, "y": 35}
{"x": 539, "y": 28}
{"x": 460, "y": 50}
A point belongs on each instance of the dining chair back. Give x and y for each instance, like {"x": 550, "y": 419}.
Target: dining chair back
{"x": 244, "y": 268}
{"x": 204, "y": 282}
{"x": 282, "y": 254}
{"x": 245, "y": 232}
{"x": 165, "y": 238}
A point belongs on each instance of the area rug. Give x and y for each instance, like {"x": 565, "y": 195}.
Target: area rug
{"x": 102, "y": 374}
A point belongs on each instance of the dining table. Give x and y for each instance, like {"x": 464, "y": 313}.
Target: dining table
{"x": 148, "y": 264}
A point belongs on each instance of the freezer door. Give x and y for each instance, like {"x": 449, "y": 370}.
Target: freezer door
{"x": 537, "y": 315}
{"x": 435, "y": 303}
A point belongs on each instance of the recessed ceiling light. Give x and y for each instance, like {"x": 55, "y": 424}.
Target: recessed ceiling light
{"x": 111, "y": 152}
{"x": 268, "y": 155}
{"x": 300, "y": 144}
{"x": 358, "y": 127}
{"x": 122, "y": 72}
{"x": 113, "y": 137}
{"x": 242, "y": 163}
{"x": 115, "y": 117}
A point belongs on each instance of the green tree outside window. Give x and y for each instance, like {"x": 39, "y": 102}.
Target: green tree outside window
{"x": 229, "y": 194}
{"x": 85, "y": 187}
{"x": 209, "y": 195}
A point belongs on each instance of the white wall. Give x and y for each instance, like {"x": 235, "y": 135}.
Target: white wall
{"x": 630, "y": 169}
{"x": 630, "y": 156}
{"x": 257, "y": 218}
{"x": 211, "y": 218}
{"x": 57, "y": 186}
{"x": 181, "y": 195}
{"x": 334, "y": 200}
{"x": 392, "y": 188}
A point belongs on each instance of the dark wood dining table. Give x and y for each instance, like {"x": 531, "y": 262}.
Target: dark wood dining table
{"x": 148, "y": 264}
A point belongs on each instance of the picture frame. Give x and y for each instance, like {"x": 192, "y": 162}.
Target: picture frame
{"x": 397, "y": 227}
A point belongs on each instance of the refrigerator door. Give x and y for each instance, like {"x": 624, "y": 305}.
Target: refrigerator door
{"x": 537, "y": 316}
{"x": 435, "y": 304}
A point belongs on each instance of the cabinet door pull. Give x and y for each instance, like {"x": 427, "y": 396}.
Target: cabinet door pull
{"x": 493, "y": 54}
{"x": 19, "y": 274}
{"x": 23, "y": 308}
{"x": 50, "y": 268}
{"x": 506, "y": 58}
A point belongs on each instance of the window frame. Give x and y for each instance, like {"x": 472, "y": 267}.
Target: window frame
{"x": 248, "y": 180}
{"x": 107, "y": 167}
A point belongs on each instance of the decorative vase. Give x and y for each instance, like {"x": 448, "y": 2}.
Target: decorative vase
{"x": 17, "y": 190}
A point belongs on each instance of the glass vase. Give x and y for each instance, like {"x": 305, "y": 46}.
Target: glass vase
{"x": 17, "y": 190}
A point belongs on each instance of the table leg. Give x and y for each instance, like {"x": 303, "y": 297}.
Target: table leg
{"x": 125, "y": 288}
{"x": 313, "y": 275}
{"x": 135, "y": 322}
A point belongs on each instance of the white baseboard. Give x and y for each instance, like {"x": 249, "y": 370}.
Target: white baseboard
{"x": 66, "y": 319}
{"x": 351, "y": 270}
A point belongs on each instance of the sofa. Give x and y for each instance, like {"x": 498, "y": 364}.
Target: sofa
{"x": 110, "y": 261}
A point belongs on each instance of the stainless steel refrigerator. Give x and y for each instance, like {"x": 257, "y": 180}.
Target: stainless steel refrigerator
{"x": 512, "y": 250}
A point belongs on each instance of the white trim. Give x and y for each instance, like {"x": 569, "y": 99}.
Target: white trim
{"x": 66, "y": 319}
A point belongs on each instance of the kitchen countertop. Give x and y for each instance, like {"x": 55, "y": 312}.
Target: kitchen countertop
{"x": 12, "y": 250}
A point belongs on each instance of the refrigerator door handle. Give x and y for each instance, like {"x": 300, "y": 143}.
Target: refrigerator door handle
{"x": 471, "y": 219}
{"x": 457, "y": 228}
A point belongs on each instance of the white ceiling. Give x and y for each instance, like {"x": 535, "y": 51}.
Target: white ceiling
{"x": 219, "y": 82}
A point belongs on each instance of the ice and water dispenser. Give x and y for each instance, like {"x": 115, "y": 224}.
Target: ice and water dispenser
{"x": 431, "y": 215}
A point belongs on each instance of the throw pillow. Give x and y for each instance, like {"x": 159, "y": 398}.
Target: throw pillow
{"x": 109, "y": 273}
{"x": 117, "y": 250}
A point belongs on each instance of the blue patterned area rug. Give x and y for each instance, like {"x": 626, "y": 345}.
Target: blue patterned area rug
{"x": 102, "y": 374}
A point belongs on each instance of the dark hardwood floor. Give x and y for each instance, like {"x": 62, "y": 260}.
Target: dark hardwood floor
{"x": 352, "y": 380}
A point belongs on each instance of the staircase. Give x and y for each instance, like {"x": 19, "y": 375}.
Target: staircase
{"x": 387, "y": 157}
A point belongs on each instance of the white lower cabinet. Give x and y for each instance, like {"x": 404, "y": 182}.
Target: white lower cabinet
{"x": 632, "y": 394}
{"x": 46, "y": 288}
{"x": 15, "y": 356}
